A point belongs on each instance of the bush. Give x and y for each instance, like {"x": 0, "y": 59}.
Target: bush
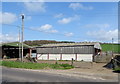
{"x": 67, "y": 66}
{"x": 56, "y": 62}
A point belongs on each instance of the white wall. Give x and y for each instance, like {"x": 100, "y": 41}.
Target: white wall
{"x": 68, "y": 56}
{"x": 85, "y": 57}
{"x": 54, "y": 56}
{"x": 80, "y": 57}
{"x": 42, "y": 56}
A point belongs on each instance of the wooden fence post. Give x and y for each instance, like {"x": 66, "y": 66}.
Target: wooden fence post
{"x": 72, "y": 61}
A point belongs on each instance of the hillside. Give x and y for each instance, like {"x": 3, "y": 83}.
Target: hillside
{"x": 111, "y": 47}
{"x": 40, "y": 42}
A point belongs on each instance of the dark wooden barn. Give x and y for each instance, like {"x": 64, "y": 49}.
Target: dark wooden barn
{"x": 13, "y": 50}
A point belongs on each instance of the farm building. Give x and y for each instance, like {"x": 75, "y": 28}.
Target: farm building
{"x": 11, "y": 50}
{"x": 84, "y": 51}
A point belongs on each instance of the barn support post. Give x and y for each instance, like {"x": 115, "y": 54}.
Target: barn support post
{"x": 93, "y": 58}
{"x": 61, "y": 56}
{"x": 36, "y": 56}
{"x": 30, "y": 51}
{"x": 48, "y": 56}
{"x": 76, "y": 56}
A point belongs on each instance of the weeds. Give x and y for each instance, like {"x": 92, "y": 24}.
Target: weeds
{"x": 27, "y": 65}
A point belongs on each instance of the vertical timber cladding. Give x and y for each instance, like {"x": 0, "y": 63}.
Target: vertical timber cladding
{"x": 78, "y": 52}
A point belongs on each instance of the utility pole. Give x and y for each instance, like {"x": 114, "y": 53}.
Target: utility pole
{"x": 112, "y": 46}
{"x": 22, "y": 35}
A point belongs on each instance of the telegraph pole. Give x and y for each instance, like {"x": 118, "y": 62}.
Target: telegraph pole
{"x": 112, "y": 46}
{"x": 22, "y": 35}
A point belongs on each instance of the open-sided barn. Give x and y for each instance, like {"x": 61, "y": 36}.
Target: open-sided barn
{"x": 12, "y": 50}
{"x": 66, "y": 51}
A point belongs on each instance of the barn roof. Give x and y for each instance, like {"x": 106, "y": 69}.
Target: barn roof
{"x": 95, "y": 44}
{"x": 15, "y": 44}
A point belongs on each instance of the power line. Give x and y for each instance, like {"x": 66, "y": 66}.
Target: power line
{"x": 11, "y": 25}
{"x": 60, "y": 34}
{"x": 41, "y": 31}
{"x": 92, "y": 15}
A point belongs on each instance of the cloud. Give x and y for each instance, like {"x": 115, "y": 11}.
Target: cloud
{"x": 8, "y": 37}
{"x": 59, "y": 15}
{"x": 68, "y": 20}
{"x": 65, "y": 21}
{"x": 35, "y": 6}
{"x": 97, "y": 26}
{"x": 52, "y": 31}
{"x": 47, "y": 28}
{"x": 103, "y": 35}
{"x": 7, "y": 18}
{"x": 77, "y": 6}
{"x": 69, "y": 34}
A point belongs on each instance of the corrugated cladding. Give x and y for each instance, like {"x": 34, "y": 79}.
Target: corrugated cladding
{"x": 82, "y": 49}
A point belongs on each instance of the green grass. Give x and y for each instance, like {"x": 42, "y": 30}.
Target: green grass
{"x": 111, "y": 47}
{"x": 117, "y": 69}
{"x": 15, "y": 64}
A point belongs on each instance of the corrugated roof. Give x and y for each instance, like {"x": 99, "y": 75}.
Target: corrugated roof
{"x": 69, "y": 44}
{"x": 97, "y": 45}
{"x": 16, "y": 44}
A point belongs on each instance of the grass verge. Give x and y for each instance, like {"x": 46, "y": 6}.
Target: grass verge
{"x": 15, "y": 64}
{"x": 117, "y": 69}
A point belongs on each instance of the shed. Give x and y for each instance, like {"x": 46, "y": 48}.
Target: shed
{"x": 11, "y": 50}
{"x": 84, "y": 51}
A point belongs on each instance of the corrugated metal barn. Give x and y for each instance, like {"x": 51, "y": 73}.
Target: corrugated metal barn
{"x": 67, "y": 51}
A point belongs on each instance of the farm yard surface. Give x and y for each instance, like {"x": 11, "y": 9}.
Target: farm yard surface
{"x": 85, "y": 70}
{"x": 96, "y": 72}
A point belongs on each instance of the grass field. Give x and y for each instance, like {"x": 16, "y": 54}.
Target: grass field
{"x": 111, "y": 47}
{"x": 25, "y": 65}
